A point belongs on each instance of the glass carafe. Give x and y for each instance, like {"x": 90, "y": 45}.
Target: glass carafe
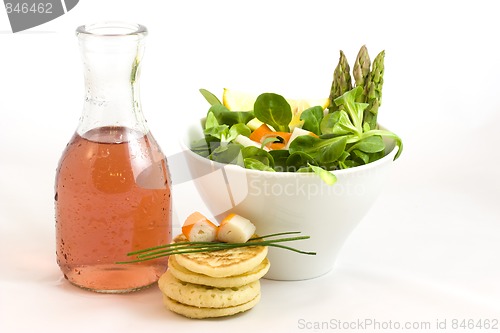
{"x": 112, "y": 189}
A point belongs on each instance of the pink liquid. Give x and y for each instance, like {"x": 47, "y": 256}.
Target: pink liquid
{"x": 112, "y": 197}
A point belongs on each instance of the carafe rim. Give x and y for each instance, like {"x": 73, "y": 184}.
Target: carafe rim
{"x": 112, "y": 29}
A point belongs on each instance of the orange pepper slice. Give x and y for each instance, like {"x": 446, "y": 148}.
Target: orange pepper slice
{"x": 259, "y": 133}
{"x": 263, "y": 132}
{"x": 285, "y": 137}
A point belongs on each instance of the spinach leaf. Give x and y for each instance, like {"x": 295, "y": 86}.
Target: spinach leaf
{"x": 376, "y": 156}
{"x": 258, "y": 154}
{"x": 212, "y": 128}
{"x": 350, "y": 164}
{"x": 298, "y": 160}
{"x": 211, "y": 98}
{"x": 312, "y": 119}
{"x": 362, "y": 156}
{"x": 238, "y": 129}
{"x": 280, "y": 157}
{"x": 211, "y": 120}
{"x": 354, "y": 109}
{"x": 274, "y": 110}
{"x": 202, "y": 146}
{"x": 227, "y": 117}
{"x": 251, "y": 163}
{"x": 387, "y": 134}
{"x": 371, "y": 144}
{"x": 323, "y": 151}
{"x": 337, "y": 123}
{"x": 328, "y": 177}
{"x": 228, "y": 154}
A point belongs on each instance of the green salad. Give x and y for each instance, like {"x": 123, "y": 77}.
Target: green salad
{"x": 270, "y": 133}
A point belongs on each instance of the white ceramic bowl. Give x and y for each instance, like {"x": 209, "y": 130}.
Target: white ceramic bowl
{"x": 283, "y": 201}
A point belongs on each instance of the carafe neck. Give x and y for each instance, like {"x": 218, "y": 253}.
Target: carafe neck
{"x": 112, "y": 54}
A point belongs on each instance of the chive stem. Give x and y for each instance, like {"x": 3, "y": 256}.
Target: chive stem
{"x": 197, "y": 247}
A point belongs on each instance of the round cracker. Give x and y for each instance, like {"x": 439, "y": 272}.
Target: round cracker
{"x": 186, "y": 275}
{"x": 223, "y": 263}
{"x": 201, "y": 313}
{"x": 205, "y": 296}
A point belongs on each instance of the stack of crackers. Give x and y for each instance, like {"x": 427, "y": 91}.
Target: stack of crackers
{"x": 214, "y": 284}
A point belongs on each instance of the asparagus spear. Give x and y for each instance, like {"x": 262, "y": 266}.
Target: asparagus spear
{"x": 374, "y": 90}
{"x": 341, "y": 81}
{"x": 361, "y": 72}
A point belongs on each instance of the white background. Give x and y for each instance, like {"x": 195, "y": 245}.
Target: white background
{"x": 427, "y": 251}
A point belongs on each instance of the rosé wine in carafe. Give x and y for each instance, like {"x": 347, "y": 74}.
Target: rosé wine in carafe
{"x": 112, "y": 188}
